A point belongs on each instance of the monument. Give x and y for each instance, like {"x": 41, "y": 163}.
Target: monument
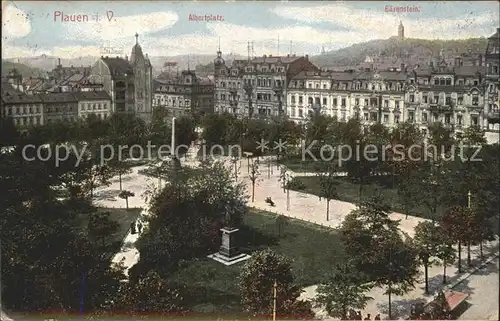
{"x": 228, "y": 253}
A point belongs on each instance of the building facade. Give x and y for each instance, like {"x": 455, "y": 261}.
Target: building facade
{"x": 492, "y": 95}
{"x": 40, "y": 109}
{"x": 24, "y": 110}
{"x": 256, "y": 86}
{"x": 143, "y": 81}
{"x": 184, "y": 94}
{"x": 129, "y": 83}
{"x": 93, "y": 102}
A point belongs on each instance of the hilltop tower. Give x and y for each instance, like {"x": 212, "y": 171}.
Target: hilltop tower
{"x": 401, "y": 31}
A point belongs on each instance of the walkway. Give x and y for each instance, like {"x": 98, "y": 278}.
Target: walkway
{"x": 303, "y": 206}
{"x": 108, "y": 197}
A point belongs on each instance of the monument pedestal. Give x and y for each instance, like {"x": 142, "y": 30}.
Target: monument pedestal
{"x": 228, "y": 253}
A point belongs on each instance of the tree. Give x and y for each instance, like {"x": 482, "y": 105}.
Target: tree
{"x": 457, "y": 224}
{"x": 342, "y": 292}
{"x": 254, "y": 176}
{"x": 121, "y": 168}
{"x": 187, "y": 213}
{"x": 149, "y": 294}
{"x": 445, "y": 253}
{"x": 427, "y": 241}
{"x": 100, "y": 226}
{"x": 328, "y": 183}
{"x": 257, "y": 279}
{"x": 125, "y": 195}
{"x": 377, "y": 249}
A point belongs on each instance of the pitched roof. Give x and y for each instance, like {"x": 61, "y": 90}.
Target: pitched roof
{"x": 57, "y": 97}
{"x": 21, "y": 99}
{"x": 118, "y": 66}
{"x": 274, "y": 60}
{"x": 91, "y": 95}
{"x": 469, "y": 70}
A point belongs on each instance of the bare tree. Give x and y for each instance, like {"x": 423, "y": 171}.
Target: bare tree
{"x": 235, "y": 161}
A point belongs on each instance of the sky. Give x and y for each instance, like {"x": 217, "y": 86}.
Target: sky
{"x": 274, "y": 27}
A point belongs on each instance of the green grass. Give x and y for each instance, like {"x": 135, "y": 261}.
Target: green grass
{"x": 348, "y": 191}
{"x": 120, "y": 215}
{"x": 213, "y": 287}
{"x": 296, "y": 164}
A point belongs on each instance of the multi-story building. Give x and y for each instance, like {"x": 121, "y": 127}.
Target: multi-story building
{"x": 453, "y": 96}
{"x": 117, "y": 77}
{"x": 492, "y": 94}
{"x": 39, "y": 109}
{"x": 184, "y": 94}
{"x": 59, "y": 107}
{"x": 128, "y": 83}
{"x": 256, "y": 86}
{"x": 369, "y": 96}
{"x": 24, "y": 110}
{"x": 93, "y": 102}
{"x": 143, "y": 81}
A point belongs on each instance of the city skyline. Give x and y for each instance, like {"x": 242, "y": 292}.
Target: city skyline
{"x": 165, "y": 28}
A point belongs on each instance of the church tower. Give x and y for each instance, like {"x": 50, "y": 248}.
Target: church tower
{"x": 401, "y": 31}
{"x": 143, "y": 81}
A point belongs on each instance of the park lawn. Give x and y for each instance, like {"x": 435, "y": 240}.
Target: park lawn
{"x": 213, "y": 288}
{"x": 348, "y": 191}
{"x": 121, "y": 215}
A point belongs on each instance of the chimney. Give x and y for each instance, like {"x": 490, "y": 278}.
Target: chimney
{"x": 59, "y": 61}
{"x": 402, "y": 66}
{"x": 307, "y": 57}
{"x": 288, "y": 55}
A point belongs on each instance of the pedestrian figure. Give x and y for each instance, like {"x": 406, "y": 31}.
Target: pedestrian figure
{"x": 132, "y": 228}
{"x": 368, "y": 317}
{"x": 377, "y": 317}
{"x": 139, "y": 226}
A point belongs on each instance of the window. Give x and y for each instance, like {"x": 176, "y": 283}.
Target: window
{"x": 317, "y": 86}
{"x": 301, "y": 100}
{"x": 366, "y": 102}
{"x": 459, "y": 119}
{"x": 448, "y": 82}
{"x": 434, "y": 117}
{"x": 412, "y": 98}
{"x": 324, "y": 101}
{"x": 334, "y": 102}
{"x": 310, "y": 100}
{"x": 411, "y": 116}
{"x": 474, "y": 120}
{"x": 343, "y": 102}
{"x": 460, "y": 100}
{"x": 316, "y": 101}
{"x": 356, "y": 101}
{"x": 386, "y": 103}
{"x": 436, "y": 81}
{"x": 425, "y": 99}
{"x": 386, "y": 118}
{"x": 396, "y": 118}
{"x": 447, "y": 119}
{"x": 343, "y": 116}
{"x": 293, "y": 100}
{"x": 475, "y": 100}
{"x": 324, "y": 86}
{"x": 301, "y": 114}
